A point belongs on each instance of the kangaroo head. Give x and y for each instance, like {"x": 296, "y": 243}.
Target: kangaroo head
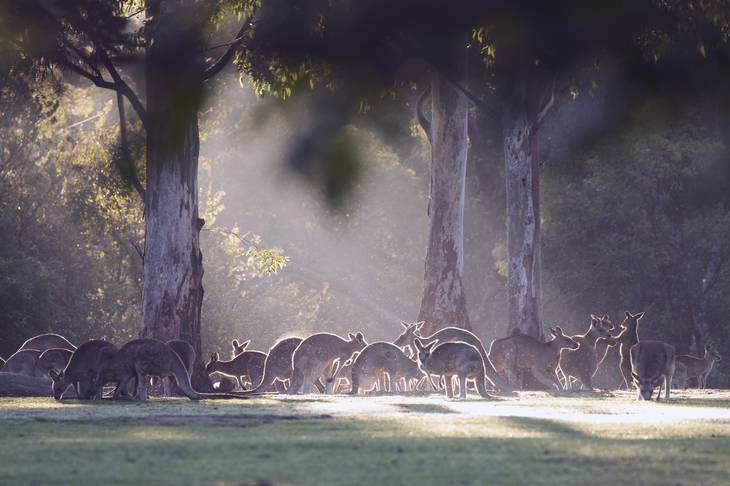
{"x": 357, "y": 340}
{"x": 604, "y": 321}
{"x": 561, "y": 340}
{"x": 646, "y": 386}
{"x": 239, "y": 348}
{"x": 423, "y": 351}
{"x": 410, "y": 332}
{"x": 59, "y": 383}
{"x": 711, "y": 349}
{"x": 631, "y": 321}
{"x": 211, "y": 366}
{"x": 597, "y": 328}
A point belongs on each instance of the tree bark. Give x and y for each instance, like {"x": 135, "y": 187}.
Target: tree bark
{"x": 444, "y": 300}
{"x": 173, "y": 263}
{"x": 522, "y": 173}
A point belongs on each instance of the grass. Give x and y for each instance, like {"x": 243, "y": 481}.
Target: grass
{"x": 527, "y": 439}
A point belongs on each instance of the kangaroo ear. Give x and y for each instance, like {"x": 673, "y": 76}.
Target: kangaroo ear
{"x": 559, "y": 331}
{"x": 419, "y": 325}
{"x": 245, "y": 344}
{"x": 235, "y": 344}
{"x": 359, "y": 336}
{"x": 628, "y": 315}
{"x": 351, "y": 336}
{"x": 215, "y": 357}
{"x": 639, "y": 315}
{"x": 605, "y": 317}
{"x": 595, "y": 317}
{"x": 405, "y": 324}
{"x": 419, "y": 345}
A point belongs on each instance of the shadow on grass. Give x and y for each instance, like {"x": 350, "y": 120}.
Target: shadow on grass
{"x": 424, "y": 408}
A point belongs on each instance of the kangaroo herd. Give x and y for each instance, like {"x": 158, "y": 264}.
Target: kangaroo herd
{"x": 452, "y": 360}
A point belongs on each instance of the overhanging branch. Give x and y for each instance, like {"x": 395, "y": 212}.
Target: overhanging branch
{"x": 223, "y": 61}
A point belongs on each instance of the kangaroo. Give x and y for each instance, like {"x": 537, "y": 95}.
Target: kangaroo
{"x": 453, "y": 359}
{"x": 80, "y": 370}
{"x": 316, "y": 356}
{"x": 377, "y": 359}
{"x": 603, "y": 344}
{"x": 628, "y": 337}
{"x": 52, "y": 359}
{"x": 43, "y": 342}
{"x": 140, "y": 358}
{"x": 277, "y": 365}
{"x": 248, "y": 364}
{"x": 652, "y": 364}
{"x": 22, "y": 362}
{"x": 581, "y": 363}
{"x": 523, "y": 352}
{"x": 700, "y": 368}
{"x": 450, "y": 334}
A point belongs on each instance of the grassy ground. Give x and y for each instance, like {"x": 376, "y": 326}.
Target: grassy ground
{"x": 528, "y": 439}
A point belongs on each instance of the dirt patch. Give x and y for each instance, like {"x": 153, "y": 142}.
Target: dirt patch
{"x": 223, "y": 420}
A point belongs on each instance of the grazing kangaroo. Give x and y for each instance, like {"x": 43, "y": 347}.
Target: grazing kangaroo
{"x": 377, "y": 359}
{"x": 453, "y": 359}
{"x": 316, "y": 356}
{"x": 22, "y": 362}
{"x": 652, "y": 364}
{"x": 628, "y": 338}
{"x": 43, "y": 342}
{"x": 582, "y": 363}
{"x": 52, "y": 359}
{"x": 451, "y": 334}
{"x": 523, "y": 352}
{"x": 248, "y": 364}
{"x": 692, "y": 367}
{"x": 140, "y": 358}
{"x": 81, "y": 370}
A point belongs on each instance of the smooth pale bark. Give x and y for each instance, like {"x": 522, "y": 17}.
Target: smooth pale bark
{"x": 444, "y": 300}
{"x": 523, "y": 221}
{"x": 173, "y": 268}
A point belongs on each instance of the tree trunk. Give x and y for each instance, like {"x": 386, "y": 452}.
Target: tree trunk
{"x": 522, "y": 173}
{"x": 444, "y": 300}
{"x": 173, "y": 263}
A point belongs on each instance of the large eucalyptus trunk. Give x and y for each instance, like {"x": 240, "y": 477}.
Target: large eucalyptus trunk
{"x": 444, "y": 300}
{"x": 173, "y": 268}
{"x": 522, "y": 172}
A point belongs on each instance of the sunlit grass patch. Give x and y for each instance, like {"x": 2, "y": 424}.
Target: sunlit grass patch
{"x": 525, "y": 439}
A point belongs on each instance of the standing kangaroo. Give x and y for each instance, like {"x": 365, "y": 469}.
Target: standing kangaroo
{"x": 582, "y": 363}
{"x": 316, "y": 355}
{"x": 452, "y": 334}
{"x": 377, "y": 359}
{"x": 248, "y": 364}
{"x": 22, "y": 362}
{"x": 522, "y": 352}
{"x": 140, "y": 358}
{"x": 652, "y": 364}
{"x": 43, "y": 342}
{"x": 81, "y": 370}
{"x": 52, "y": 359}
{"x": 453, "y": 359}
{"x": 628, "y": 338}
{"x": 692, "y": 367}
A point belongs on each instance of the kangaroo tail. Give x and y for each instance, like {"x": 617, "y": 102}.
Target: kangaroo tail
{"x": 267, "y": 380}
{"x": 492, "y": 374}
{"x": 182, "y": 377}
{"x": 481, "y": 385}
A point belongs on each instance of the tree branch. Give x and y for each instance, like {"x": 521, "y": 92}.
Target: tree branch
{"x": 547, "y": 107}
{"x": 122, "y": 86}
{"x": 421, "y": 116}
{"x": 223, "y": 61}
{"x": 124, "y": 163}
